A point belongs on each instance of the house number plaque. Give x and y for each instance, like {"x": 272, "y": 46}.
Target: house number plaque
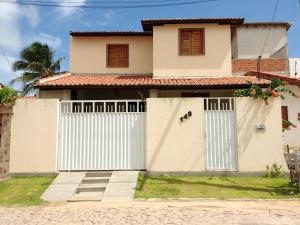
{"x": 186, "y": 116}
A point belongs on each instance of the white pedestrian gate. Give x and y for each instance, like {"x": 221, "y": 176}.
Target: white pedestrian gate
{"x": 101, "y": 135}
{"x": 220, "y": 134}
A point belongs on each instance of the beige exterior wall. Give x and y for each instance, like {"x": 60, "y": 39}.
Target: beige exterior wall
{"x": 172, "y": 145}
{"x": 258, "y": 148}
{"x": 88, "y": 54}
{"x": 175, "y": 146}
{"x": 34, "y": 128}
{"x": 55, "y": 94}
{"x": 292, "y": 137}
{"x": 168, "y": 63}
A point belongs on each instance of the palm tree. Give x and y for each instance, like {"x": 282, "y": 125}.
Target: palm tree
{"x": 36, "y": 61}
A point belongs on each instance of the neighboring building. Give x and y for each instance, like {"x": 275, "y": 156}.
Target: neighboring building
{"x": 160, "y": 99}
{"x": 247, "y": 44}
{"x": 1, "y": 85}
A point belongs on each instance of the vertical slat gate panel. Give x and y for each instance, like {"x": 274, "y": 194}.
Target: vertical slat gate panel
{"x": 220, "y": 136}
{"x": 96, "y": 140}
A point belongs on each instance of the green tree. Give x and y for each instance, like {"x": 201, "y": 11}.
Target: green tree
{"x": 36, "y": 61}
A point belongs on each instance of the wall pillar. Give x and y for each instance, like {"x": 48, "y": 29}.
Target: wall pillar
{"x": 5, "y": 130}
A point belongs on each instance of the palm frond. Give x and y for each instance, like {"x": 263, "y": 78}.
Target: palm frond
{"x": 24, "y": 78}
{"x": 27, "y": 88}
{"x": 19, "y": 65}
{"x": 36, "y": 61}
{"x": 56, "y": 64}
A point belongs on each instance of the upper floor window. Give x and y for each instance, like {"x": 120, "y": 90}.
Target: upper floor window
{"x": 117, "y": 55}
{"x": 191, "y": 41}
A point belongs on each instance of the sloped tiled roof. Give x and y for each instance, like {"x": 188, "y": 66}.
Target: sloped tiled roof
{"x": 287, "y": 25}
{"x": 270, "y": 76}
{"x": 127, "y": 80}
{"x": 110, "y": 33}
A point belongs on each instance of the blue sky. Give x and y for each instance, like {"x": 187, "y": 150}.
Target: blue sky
{"x": 21, "y": 25}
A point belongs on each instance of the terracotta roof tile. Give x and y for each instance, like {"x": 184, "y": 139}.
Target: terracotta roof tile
{"x": 269, "y": 76}
{"x": 127, "y": 80}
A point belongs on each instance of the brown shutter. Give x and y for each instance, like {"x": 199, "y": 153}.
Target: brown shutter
{"x": 117, "y": 55}
{"x": 123, "y": 56}
{"x": 191, "y": 41}
{"x": 284, "y": 115}
{"x": 186, "y": 40}
{"x": 197, "y": 42}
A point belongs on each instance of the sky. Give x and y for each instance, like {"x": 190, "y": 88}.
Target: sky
{"x": 20, "y": 25}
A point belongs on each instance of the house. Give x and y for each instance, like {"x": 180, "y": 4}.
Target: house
{"x": 161, "y": 100}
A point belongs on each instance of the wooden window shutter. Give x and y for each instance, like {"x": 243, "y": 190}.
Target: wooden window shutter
{"x": 284, "y": 116}
{"x": 117, "y": 56}
{"x": 197, "y": 42}
{"x": 185, "y": 44}
{"x": 191, "y": 41}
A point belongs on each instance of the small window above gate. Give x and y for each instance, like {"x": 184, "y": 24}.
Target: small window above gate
{"x": 219, "y": 104}
{"x": 105, "y": 106}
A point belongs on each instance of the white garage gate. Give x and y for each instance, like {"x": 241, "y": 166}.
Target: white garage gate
{"x": 101, "y": 135}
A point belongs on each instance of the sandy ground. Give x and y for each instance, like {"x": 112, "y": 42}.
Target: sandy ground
{"x": 192, "y": 212}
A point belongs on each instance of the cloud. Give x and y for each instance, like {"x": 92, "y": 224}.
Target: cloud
{"x": 6, "y": 74}
{"x": 108, "y": 16}
{"x": 52, "y": 41}
{"x": 11, "y": 39}
{"x": 32, "y": 15}
{"x": 67, "y": 11}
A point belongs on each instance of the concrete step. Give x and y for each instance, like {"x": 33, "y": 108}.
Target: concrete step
{"x": 86, "y": 196}
{"x": 93, "y": 187}
{"x": 98, "y": 174}
{"x": 93, "y": 180}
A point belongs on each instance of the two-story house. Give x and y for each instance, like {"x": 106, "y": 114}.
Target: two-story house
{"x": 169, "y": 58}
{"x": 161, "y": 99}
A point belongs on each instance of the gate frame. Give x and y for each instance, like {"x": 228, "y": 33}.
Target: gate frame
{"x": 235, "y": 134}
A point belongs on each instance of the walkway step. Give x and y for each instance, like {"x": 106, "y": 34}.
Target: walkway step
{"x": 92, "y": 180}
{"x": 63, "y": 186}
{"x": 98, "y": 174}
{"x": 121, "y": 186}
{"x": 91, "y": 188}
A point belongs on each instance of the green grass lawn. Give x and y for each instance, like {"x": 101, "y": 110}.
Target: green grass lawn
{"x": 21, "y": 191}
{"x": 214, "y": 187}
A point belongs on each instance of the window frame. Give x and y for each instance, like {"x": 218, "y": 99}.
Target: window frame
{"x": 179, "y": 41}
{"x": 107, "y": 55}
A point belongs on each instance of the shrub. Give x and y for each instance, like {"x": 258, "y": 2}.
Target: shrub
{"x": 8, "y": 96}
{"x": 275, "y": 89}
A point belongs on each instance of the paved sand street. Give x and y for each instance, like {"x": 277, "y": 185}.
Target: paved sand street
{"x": 193, "y": 212}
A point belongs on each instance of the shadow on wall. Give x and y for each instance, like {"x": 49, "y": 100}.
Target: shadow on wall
{"x": 165, "y": 133}
{"x": 172, "y": 136}
{"x": 253, "y": 113}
